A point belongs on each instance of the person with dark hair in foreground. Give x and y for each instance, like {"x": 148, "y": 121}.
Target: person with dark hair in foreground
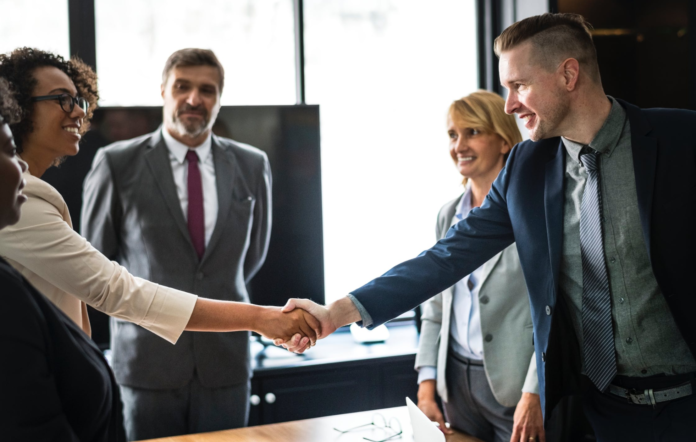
{"x": 55, "y": 385}
{"x": 601, "y": 205}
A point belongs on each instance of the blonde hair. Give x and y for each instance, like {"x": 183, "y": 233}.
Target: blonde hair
{"x": 485, "y": 111}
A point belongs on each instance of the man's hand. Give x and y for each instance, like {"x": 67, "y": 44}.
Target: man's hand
{"x": 427, "y": 404}
{"x": 296, "y": 343}
{"x": 528, "y": 421}
{"x": 338, "y": 314}
{"x": 278, "y": 325}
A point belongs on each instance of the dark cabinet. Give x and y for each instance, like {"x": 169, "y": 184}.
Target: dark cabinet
{"x": 346, "y": 377}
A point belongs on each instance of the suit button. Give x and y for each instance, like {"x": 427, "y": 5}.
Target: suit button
{"x": 489, "y": 338}
{"x": 543, "y": 357}
{"x": 548, "y": 310}
{"x": 484, "y": 300}
{"x": 199, "y": 276}
{"x": 629, "y": 340}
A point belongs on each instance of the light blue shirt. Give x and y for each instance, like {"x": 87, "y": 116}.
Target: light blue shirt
{"x": 465, "y": 327}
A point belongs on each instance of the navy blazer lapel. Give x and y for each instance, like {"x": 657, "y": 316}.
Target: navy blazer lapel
{"x": 225, "y": 174}
{"x": 553, "y": 205}
{"x": 644, "y": 163}
{"x": 157, "y": 157}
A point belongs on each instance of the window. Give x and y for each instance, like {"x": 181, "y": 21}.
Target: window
{"x": 254, "y": 41}
{"x": 384, "y": 74}
{"x": 41, "y": 24}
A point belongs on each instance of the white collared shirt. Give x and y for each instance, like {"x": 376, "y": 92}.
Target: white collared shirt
{"x": 465, "y": 327}
{"x": 206, "y": 165}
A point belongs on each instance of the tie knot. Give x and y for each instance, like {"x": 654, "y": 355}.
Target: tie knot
{"x": 588, "y": 157}
{"x": 191, "y": 156}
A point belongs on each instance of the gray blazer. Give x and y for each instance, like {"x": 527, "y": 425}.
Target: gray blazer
{"x": 506, "y": 324}
{"x": 131, "y": 213}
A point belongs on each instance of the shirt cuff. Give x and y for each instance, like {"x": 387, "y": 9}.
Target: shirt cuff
{"x": 531, "y": 383}
{"x": 169, "y": 313}
{"x": 366, "y": 319}
{"x": 426, "y": 373}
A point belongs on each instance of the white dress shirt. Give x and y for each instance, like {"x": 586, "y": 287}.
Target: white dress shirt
{"x": 465, "y": 327}
{"x": 177, "y": 158}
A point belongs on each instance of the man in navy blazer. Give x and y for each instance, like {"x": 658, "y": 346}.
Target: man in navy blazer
{"x": 647, "y": 201}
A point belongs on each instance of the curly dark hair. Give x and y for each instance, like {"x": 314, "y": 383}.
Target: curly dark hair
{"x": 9, "y": 109}
{"x": 17, "y": 67}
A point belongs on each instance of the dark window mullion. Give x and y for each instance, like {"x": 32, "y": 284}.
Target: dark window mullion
{"x": 82, "y": 31}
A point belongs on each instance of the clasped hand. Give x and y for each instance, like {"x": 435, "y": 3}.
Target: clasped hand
{"x": 284, "y": 326}
{"x": 298, "y": 342}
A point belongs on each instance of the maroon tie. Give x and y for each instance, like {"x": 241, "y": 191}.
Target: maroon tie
{"x": 196, "y": 216}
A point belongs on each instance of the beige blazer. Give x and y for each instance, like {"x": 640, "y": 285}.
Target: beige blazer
{"x": 63, "y": 266}
{"x": 506, "y": 324}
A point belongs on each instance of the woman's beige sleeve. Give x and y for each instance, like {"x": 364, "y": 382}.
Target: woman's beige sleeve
{"x": 47, "y": 246}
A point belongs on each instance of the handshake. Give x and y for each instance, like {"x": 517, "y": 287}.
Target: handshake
{"x": 302, "y": 322}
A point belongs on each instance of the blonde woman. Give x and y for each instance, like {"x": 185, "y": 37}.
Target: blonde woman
{"x": 476, "y": 342}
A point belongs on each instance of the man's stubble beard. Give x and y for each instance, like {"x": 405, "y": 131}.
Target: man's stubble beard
{"x": 549, "y": 126}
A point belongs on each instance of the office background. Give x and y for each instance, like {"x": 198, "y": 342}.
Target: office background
{"x": 382, "y": 73}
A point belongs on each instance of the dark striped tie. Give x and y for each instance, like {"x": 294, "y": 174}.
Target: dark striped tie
{"x": 597, "y": 330}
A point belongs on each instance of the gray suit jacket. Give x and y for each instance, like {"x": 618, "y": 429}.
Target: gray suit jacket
{"x": 132, "y": 214}
{"x": 506, "y": 324}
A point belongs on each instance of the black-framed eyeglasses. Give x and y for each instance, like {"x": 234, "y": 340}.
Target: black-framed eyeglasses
{"x": 379, "y": 421}
{"x": 67, "y": 103}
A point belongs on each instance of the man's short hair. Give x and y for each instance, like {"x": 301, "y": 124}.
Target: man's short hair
{"x": 555, "y": 37}
{"x": 193, "y": 57}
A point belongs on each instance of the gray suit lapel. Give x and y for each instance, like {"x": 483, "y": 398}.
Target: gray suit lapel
{"x": 225, "y": 174}
{"x": 488, "y": 268}
{"x": 157, "y": 158}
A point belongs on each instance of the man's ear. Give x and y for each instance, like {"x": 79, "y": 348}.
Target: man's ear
{"x": 570, "y": 69}
{"x": 162, "y": 89}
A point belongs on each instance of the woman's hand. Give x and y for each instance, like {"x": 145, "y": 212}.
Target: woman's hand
{"x": 528, "y": 422}
{"x": 276, "y": 325}
{"x": 428, "y": 405}
{"x": 338, "y": 314}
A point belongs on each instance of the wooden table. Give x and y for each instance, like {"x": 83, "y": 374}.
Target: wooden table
{"x": 314, "y": 430}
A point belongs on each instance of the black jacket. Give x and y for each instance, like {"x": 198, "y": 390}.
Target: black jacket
{"x": 55, "y": 384}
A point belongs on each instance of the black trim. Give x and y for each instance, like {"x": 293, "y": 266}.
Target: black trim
{"x": 692, "y": 55}
{"x": 298, "y": 7}
{"x": 82, "y": 31}
{"x": 553, "y": 6}
{"x": 489, "y": 24}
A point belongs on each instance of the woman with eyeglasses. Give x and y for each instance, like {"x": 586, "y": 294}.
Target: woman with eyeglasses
{"x": 55, "y": 385}
{"x": 57, "y": 98}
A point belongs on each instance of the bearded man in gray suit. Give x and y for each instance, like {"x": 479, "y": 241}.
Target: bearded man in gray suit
{"x": 189, "y": 210}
